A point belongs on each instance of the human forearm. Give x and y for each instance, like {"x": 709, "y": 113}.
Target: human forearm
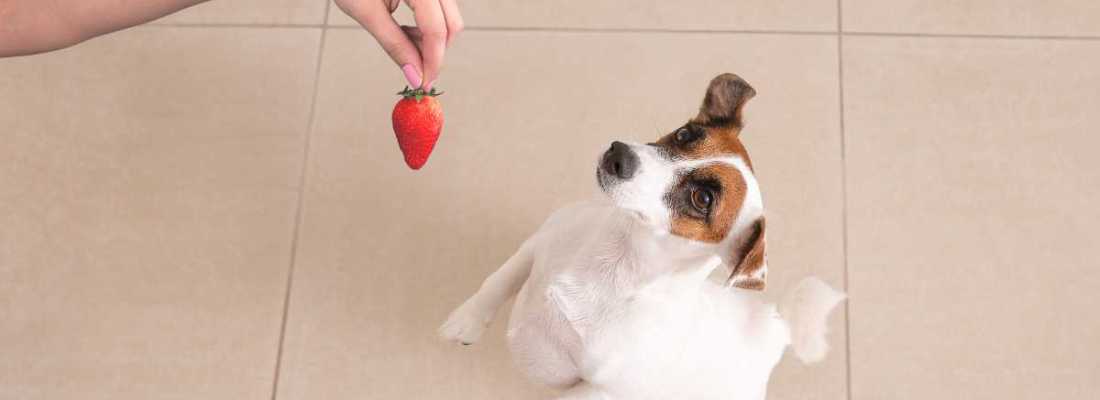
{"x": 35, "y": 26}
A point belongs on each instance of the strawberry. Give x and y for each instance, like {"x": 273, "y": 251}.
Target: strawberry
{"x": 417, "y": 121}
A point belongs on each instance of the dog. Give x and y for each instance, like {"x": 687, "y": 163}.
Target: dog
{"x": 619, "y": 298}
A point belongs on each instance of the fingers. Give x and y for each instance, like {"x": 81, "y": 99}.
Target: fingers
{"x": 455, "y": 25}
{"x": 375, "y": 17}
{"x": 433, "y": 36}
{"x": 414, "y": 34}
{"x": 417, "y": 50}
{"x": 392, "y": 5}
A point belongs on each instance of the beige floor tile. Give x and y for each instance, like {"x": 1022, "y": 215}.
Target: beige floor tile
{"x": 385, "y": 253}
{"x": 788, "y": 15}
{"x": 980, "y": 17}
{"x": 260, "y": 12}
{"x": 972, "y": 203}
{"x": 149, "y": 188}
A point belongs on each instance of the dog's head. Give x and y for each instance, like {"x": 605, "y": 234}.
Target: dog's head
{"x": 697, "y": 182}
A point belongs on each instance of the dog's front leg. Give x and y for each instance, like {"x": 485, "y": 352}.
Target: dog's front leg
{"x": 466, "y": 323}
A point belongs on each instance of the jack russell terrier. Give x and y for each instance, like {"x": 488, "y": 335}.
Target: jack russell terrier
{"x": 615, "y": 299}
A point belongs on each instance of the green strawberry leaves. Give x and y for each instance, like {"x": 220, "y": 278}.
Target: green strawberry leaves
{"x": 419, "y": 93}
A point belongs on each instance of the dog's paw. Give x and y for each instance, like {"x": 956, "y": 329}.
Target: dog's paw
{"x": 466, "y": 323}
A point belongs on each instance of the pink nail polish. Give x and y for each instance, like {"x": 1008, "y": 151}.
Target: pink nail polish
{"x": 411, "y": 75}
{"x": 429, "y": 85}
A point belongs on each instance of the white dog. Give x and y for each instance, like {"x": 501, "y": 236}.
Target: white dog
{"x": 614, "y": 299}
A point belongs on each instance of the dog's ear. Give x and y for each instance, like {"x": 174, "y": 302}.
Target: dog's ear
{"x": 726, "y": 96}
{"x": 751, "y": 270}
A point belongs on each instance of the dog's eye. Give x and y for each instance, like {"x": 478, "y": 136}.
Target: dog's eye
{"x": 701, "y": 199}
{"x": 685, "y": 135}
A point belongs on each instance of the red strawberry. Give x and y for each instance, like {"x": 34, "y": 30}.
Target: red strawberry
{"x": 417, "y": 121}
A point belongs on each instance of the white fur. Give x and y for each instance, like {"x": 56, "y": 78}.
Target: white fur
{"x": 807, "y": 307}
{"x": 644, "y": 193}
{"x": 609, "y": 305}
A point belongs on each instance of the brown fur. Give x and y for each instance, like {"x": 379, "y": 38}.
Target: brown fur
{"x": 720, "y": 118}
{"x": 725, "y": 99}
{"x": 724, "y": 210}
{"x": 720, "y": 122}
{"x": 717, "y": 141}
{"x": 749, "y": 273}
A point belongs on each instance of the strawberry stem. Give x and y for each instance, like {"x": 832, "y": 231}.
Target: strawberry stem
{"x": 419, "y": 93}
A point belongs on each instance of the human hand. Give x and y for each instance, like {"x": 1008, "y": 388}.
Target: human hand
{"x": 419, "y": 49}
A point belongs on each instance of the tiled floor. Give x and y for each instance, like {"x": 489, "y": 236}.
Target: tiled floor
{"x": 213, "y": 206}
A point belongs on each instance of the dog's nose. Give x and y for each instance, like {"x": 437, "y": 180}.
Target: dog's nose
{"x": 620, "y": 161}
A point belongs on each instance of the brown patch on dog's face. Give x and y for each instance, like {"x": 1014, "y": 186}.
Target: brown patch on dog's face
{"x": 705, "y": 202}
{"x": 695, "y": 141}
{"x": 712, "y": 133}
{"x": 715, "y": 131}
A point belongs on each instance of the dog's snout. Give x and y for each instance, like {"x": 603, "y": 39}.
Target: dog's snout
{"x": 620, "y": 161}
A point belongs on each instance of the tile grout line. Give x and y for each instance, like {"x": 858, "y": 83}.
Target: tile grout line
{"x": 298, "y": 210}
{"x": 844, "y": 198}
{"x": 504, "y": 28}
{"x": 644, "y": 30}
{"x": 231, "y": 25}
{"x": 328, "y": 6}
{"x": 657, "y": 31}
{"x": 971, "y": 36}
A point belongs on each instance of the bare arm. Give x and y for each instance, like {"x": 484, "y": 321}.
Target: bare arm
{"x": 36, "y": 26}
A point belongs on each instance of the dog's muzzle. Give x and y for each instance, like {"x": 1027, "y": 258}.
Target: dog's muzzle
{"x": 619, "y": 162}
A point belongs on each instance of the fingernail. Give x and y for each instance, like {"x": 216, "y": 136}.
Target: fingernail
{"x": 411, "y": 75}
{"x": 429, "y": 85}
